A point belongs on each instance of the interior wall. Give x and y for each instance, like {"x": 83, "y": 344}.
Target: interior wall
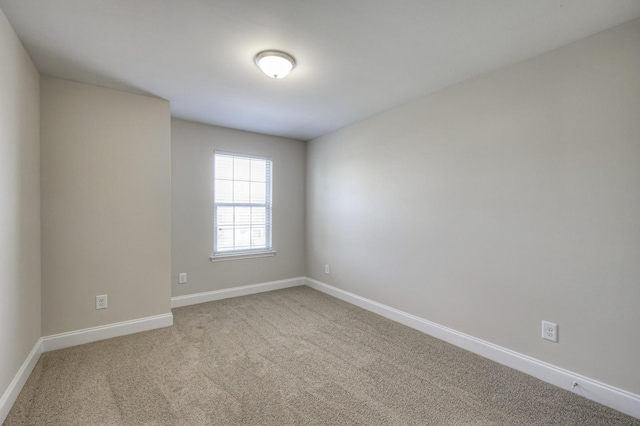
{"x": 106, "y": 205}
{"x": 498, "y": 203}
{"x": 19, "y": 205}
{"x": 192, "y": 148}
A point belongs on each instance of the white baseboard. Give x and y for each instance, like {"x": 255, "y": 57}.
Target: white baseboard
{"x": 93, "y": 334}
{"x": 210, "y": 296}
{"x": 12, "y": 392}
{"x": 618, "y": 399}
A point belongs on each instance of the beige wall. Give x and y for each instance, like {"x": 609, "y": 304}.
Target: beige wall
{"x": 497, "y": 203}
{"x": 19, "y": 205}
{"x": 106, "y": 205}
{"x": 192, "y": 147}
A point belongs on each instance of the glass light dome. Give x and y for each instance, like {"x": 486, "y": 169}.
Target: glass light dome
{"x": 274, "y": 63}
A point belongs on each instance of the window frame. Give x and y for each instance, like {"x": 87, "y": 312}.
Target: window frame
{"x": 233, "y": 254}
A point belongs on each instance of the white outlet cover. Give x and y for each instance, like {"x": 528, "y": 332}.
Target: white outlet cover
{"x": 549, "y": 331}
{"x": 182, "y": 279}
{"x": 101, "y": 301}
{"x": 326, "y": 269}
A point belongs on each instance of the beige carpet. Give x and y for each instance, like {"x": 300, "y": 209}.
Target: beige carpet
{"x": 289, "y": 357}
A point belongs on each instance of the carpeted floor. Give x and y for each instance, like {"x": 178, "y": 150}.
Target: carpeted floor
{"x": 288, "y": 357}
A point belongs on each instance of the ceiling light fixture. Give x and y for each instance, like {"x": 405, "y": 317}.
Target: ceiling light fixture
{"x": 274, "y": 63}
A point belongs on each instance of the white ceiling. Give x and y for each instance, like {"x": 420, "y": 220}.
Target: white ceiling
{"x": 355, "y": 57}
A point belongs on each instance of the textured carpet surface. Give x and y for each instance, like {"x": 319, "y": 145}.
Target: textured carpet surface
{"x": 288, "y": 357}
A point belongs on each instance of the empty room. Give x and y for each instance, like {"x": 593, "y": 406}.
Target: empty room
{"x": 286, "y": 212}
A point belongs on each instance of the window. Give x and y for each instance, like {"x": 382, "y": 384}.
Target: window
{"x": 242, "y": 205}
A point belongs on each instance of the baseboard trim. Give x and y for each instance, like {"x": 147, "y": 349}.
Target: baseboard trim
{"x": 618, "y": 399}
{"x": 12, "y": 392}
{"x": 93, "y": 334}
{"x": 210, "y": 296}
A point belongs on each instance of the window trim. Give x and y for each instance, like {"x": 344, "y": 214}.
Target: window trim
{"x": 244, "y": 253}
{"x": 239, "y": 256}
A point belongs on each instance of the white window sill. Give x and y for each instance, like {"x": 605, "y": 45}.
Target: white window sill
{"x": 241, "y": 256}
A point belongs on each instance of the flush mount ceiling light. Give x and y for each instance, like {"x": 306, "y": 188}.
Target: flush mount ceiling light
{"x": 274, "y": 63}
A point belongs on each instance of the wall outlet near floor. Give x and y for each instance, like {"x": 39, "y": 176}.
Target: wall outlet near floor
{"x": 182, "y": 278}
{"x": 101, "y": 301}
{"x": 550, "y": 331}
{"x": 326, "y": 269}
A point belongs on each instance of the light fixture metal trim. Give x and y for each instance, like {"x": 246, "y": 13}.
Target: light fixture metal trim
{"x": 271, "y": 72}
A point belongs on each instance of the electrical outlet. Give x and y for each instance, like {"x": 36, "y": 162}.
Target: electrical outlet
{"x": 182, "y": 279}
{"x": 326, "y": 269}
{"x": 101, "y": 301}
{"x": 549, "y": 331}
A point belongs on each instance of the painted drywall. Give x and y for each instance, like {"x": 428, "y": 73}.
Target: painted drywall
{"x": 192, "y": 148}
{"x": 498, "y": 203}
{"x": 19, "y": 204}
{"x": 106, "y": 205}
